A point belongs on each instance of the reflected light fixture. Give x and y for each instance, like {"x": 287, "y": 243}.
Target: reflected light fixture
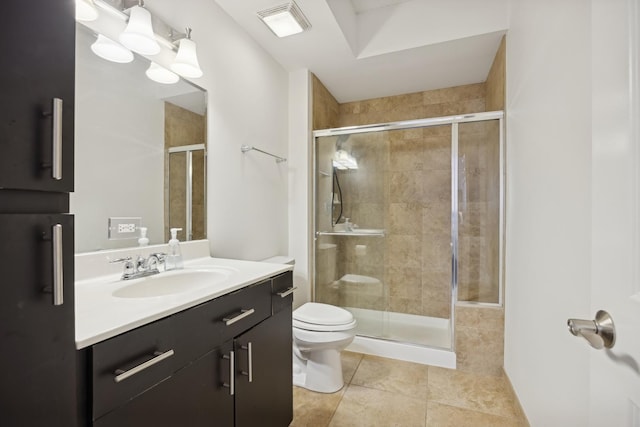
{"x": 159, "y": 74}
{"x": 111, "y": 50}
{"x": 86, "y": 10}
{"x": 186, "y": 62}
{"x": 138, "y": 36}
{"x": 285, "y": 20}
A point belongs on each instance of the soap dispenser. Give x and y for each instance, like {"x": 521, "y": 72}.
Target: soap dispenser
{"x": 143, "y": 240}
{"x": 173, "y": 261}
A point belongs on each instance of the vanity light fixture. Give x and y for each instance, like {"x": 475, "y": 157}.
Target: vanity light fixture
{"x": 159, "y": 74}
{"x": 186, "y": 62}
{"x": 138, "y": 36}
{"x": 111, "y": 50}
{"x": 285, "y": 20}
{"x": 86, "y": 10}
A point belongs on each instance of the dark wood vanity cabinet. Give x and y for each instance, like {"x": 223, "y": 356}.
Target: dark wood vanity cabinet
{"x": 37, "y": 342}
{"x": 192, "y": 397}
{"x": 37, "y": 338}
{"x": 226, "y": 363}
{"x": 38, "y": 50}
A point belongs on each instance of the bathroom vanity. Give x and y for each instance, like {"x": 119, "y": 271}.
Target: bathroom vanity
{"x": 218, "y": 355}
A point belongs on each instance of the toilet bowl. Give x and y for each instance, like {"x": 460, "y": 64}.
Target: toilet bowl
{"x": 320, "y": 333}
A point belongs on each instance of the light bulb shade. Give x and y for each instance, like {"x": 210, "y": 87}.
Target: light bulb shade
{"x": 138, "y": 36}
{"x": 160, "y": 74}
{"x": 110, "y": 50}
{"x": 186, "y": 62}
{"x": 86, "y": 10}
{"x": 285, "y": 20}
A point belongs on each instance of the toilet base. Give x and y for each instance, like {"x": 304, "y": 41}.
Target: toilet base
{"x": 319, "y": 371}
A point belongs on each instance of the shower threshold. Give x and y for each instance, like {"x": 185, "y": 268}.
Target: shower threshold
{"x": 419, "y": 339}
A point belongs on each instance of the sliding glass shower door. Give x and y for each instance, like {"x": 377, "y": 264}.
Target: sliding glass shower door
{"x": 401, "y": 222}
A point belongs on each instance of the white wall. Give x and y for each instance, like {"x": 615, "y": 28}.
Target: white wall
{"x": 548, "y": 207}
{"x": 119, "y": 149}
{"x": 299, "y": 181}
{"x": 248, "y": 104}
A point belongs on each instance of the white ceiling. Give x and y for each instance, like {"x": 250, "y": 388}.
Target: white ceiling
{"x": 362, "y": 49}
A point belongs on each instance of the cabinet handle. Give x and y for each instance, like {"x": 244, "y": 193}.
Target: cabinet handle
{"x": 243, "y": 313}
{"x": 122, "y": 375}
{"x": 58, "y": 265}
{"x": 56, "y": 140}
{"x": 250, "y": 357}
{"x": 232, "y": 374}
{"x": 288, "y": 292}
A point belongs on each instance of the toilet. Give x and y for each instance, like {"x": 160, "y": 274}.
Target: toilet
{"x": 320, "y": 333}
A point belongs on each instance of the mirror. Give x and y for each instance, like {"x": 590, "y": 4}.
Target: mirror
{"x": 137, "y": 143}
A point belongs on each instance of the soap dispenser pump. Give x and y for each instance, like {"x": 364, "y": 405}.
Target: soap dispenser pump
{"x": 173, "y": 261}
{"x": 143, "y": 240}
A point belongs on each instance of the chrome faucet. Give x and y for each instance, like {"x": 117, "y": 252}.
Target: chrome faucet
{"x": 141, "y": 267}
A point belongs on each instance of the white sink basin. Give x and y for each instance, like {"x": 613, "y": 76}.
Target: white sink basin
{"x": 174, "y": 282}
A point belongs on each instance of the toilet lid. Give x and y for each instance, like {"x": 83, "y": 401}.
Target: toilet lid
{"x": 322, "y": 314}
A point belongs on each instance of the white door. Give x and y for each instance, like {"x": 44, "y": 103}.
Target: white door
{"x": 615, "y": 373}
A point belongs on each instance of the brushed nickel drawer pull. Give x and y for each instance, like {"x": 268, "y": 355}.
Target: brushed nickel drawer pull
{"x": 232, "y": 375}
{"x": 288, "y": 292}
{"x": 58, "y": 265}
{"x": 56, "y": 141}
{"x": 243, "y": 313}
{"x": 122, "y": 375}
{"x": 248, "y": 347}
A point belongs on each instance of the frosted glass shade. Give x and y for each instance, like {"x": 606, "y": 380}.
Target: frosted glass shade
{"x": 186, "y": 62}
{"x": 138, "y": 36}
{"x": 283, "y": 24}
{"x": 160, "y": 74}
{"x": 86, "y": 10}
{"x": 110, "y": 50}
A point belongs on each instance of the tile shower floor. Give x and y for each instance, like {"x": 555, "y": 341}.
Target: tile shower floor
{"x": 385, "y": 392}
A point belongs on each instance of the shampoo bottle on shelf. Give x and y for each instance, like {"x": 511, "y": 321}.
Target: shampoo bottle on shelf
{"x": 173, "y": 261}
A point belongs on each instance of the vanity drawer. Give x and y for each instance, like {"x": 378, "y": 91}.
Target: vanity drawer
{"x": 282, "y": 291}
{"x": 205, "y": 325}
{"x": 238, "y": 311}
{"x": 129, "y": 364}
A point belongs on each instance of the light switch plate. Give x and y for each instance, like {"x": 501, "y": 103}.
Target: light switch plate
{"x": 124, "y": 228}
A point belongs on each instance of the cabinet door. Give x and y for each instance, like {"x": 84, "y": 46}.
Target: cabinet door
{"x": 38, "y": 49}
{"x": 37, "y": 338}
{"x": 267, "y": 400}
{"x": 194, "y": 397}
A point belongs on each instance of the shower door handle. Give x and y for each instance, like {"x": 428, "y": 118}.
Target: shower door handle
{"x": 600, "y": 333}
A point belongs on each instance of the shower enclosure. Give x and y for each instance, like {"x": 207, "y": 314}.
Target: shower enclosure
{"x": 408, "y": 220}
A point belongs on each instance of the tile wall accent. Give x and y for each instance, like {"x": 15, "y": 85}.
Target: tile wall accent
{"x": 496, "y": 80}
{"x": 403, "y": 185}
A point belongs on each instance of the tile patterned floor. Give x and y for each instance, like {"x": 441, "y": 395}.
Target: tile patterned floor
{"x": 391, "y": 393}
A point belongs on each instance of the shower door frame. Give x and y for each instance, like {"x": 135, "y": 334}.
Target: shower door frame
{"x": 454, "y": 121}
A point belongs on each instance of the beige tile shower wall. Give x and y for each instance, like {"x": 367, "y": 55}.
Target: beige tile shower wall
{"x": 403, "y": 185}
{"x": 496, "y": 80}
{"x": 325, "y": 106}
{"x": 183, "y": 127}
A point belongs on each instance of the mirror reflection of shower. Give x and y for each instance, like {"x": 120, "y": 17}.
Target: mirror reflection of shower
{"x": 185, "y": 172}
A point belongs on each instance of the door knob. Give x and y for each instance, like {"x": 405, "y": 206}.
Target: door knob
{"x": 600, "y": 332}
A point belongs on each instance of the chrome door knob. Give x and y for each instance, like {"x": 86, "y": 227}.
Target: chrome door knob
{"x": 600, "y": 333}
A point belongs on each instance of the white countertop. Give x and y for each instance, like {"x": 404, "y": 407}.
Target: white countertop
{"x": 100, "y": 315}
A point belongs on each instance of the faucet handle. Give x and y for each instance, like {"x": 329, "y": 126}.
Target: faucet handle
{"x": 159, "y": 255}
{"x": 113, "y": 261}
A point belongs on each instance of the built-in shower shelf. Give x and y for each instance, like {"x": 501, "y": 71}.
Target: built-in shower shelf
{"x": 364, "y": 232}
